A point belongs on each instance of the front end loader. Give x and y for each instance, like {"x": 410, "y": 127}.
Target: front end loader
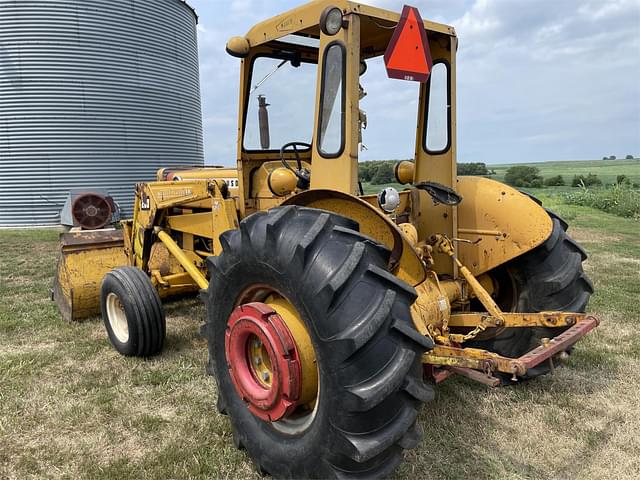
{"x": 331, "y": 314}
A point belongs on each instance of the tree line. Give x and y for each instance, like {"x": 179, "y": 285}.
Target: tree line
{"x": 378, "y": 172}
{"x": 525, "y": 176}
{"x": 613, "y": 157}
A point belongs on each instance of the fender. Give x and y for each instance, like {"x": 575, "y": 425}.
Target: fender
{"x": 403, "y": 262}
{"x": 504, "y": 222}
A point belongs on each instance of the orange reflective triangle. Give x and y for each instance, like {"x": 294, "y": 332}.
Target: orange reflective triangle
{"x": 408, "y": 53}
{"x": 407, "y": 56}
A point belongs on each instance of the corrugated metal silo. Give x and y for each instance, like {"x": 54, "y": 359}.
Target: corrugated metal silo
{"x": 93, "y": 93}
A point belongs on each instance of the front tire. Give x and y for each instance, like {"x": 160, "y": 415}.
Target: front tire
{"x": 132, "y": 312}
{"x": 358, "y": 319}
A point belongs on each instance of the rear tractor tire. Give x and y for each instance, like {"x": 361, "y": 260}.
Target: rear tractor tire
{"x": 132, "y": 312}
{"x": 311, "y": 342}
{"x": 550, "y": 277}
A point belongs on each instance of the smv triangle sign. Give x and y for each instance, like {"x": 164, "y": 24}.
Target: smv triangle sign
{"x": 407, "y": 56}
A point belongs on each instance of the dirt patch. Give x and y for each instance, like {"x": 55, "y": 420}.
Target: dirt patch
{"x": 583, "y": 235}
{"x": 613, "y": 259}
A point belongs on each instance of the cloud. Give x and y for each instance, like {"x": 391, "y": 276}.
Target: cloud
{"x": 537, "y": 80}
{"x": 599, "y": 10}
{"x": 241, "y": 6}
{"x": 569, "y": 70}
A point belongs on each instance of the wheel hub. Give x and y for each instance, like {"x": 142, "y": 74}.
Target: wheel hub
{"x": 117, "y": 318}
{"x": 263, "y": 361}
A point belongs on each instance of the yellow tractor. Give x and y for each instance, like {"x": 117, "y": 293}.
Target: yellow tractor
{"x": 331, "y": 314}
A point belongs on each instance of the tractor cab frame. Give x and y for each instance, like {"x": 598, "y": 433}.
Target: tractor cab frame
{"x": 364, "y": 34}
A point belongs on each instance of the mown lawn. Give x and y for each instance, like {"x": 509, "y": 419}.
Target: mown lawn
{"x": 71, "y": 407}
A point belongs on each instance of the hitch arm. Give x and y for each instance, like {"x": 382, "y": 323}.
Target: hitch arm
{"x": 489, "y": 362}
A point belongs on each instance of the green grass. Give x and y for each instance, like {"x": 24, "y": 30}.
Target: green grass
{"x": 71, "y": 407}
{"x": 617, "y": 199}
{"x": 369, "y": 188}
{"x": 606, "y": 170}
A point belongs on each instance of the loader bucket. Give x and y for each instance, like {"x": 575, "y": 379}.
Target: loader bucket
{"x": 85, "y": 259}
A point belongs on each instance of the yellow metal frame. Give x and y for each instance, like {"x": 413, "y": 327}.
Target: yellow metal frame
{"x": 515, "y": 320}
{"x": 189, "y": 209}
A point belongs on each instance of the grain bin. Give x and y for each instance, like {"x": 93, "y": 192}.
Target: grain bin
{"x": 93, "y": 94}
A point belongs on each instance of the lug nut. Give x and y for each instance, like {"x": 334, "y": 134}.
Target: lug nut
{"x": 265, "y": 376}
{"x": 257, "y": 361}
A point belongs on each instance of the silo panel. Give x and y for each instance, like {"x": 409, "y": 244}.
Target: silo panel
{"x": 93, "y": 94}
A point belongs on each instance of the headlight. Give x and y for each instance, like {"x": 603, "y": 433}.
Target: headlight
{"x": 389, "y": 199}
{"x": 331, "y": 20}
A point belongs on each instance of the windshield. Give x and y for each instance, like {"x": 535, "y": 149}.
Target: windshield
{"x": 390, "y": 109}
{"x": 332, "y": 108}
{"x": 288, "y": 95}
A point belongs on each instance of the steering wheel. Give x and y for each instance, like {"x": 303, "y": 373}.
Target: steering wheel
{"x": 302, "y": 174}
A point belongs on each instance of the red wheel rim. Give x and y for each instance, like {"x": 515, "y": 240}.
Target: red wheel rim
{"x": 269, "y": 399}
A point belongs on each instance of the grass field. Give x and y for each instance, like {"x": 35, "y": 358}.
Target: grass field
{"x": 606, "y": 170}
{"x": 71, "y": 407}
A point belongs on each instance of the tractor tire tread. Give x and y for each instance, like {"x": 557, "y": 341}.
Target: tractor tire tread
{"x": 145, "y": 319}
{"x": 367, "y": 341}
{"x": 363, "y": 447}
{"x": 153, "y": 309}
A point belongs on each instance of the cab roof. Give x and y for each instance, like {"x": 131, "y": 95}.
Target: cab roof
{"x": 376, "y": 25}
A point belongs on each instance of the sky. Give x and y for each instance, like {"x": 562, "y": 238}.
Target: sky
{"x": 538, "y": 80}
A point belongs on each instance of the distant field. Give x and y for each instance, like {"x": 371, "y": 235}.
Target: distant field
{"x": 370, "y": 188}
{"x": 606, "y": 170}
